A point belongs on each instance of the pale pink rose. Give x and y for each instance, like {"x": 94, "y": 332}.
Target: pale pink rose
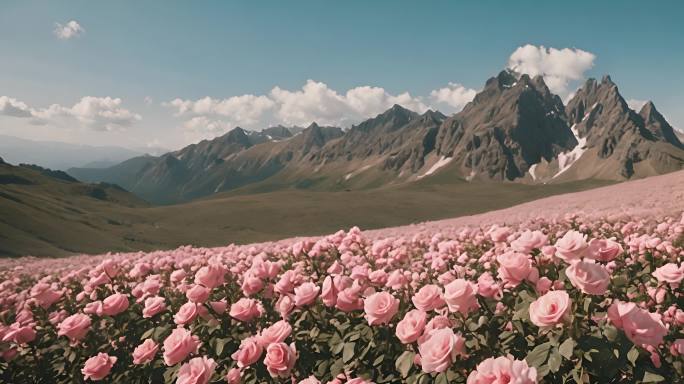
{"x": 604, "y": 250}
{"x": 305, "y": 294}
{"x": 249, "y": 352}
{"x": 74, "y": 327}
{"x": 514, "y": 267}
{"x": 178, "y": 345}
{"x": 186, "y": 314}
{"x": 440, "y": 349}
{"x": 640, "y": 326}
{"x": 487, "y": 286}
{"x": 114, "y": 304}
{"x": 669, "y": 273}
{"x": 437, "y": 322}
{"x": 503, "y": 370}
{"x": 348, "y": 300}
{"x": 378, "y": 277}
{"x": 251, "y": 285}
{"x": 245, "y": 309}
{"x": 19, "y": 334}
{"x": 380, "y": 307}
{"x": 93, "y": 308}
{"x": 98, "y": 367}
{"x": 288, "y": 281}
{"x": 196, "y": 371}
{"x": 411, "y": 326}
{"x": 153, "y": 306}
{"x": 529, "y": 240}
{"x": 329, "y": 292}
{"x": 110, "y": 267}
{"x": 550, "y": 309}
{"x": 280, "y": 359}
{"x": 233, "y": 376}
{"x": 428, "y": 297}
{"x": 177, "y": 276}
{"x": 310, "y": 380}
{"x": 284, "y": 306}
{"x": 198, "y": 293}
{"x": 499, "y": 234}
{"x": 276, "y": 333}
{"x": 572, "y": 246}
{"x": 543, "y": 285}
{"x": 590, "y": 278}
{"x": 677, "y": 347}
{"x": 145, "y": 352}
{"x": 219, "y": 306}
{"x": 358, "y": 380}
{"x": 45, "y": 295}
{"x": 211, "y": 276}
{"x": 460, "y": 296}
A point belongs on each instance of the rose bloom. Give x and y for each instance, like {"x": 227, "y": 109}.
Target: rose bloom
{"x": 245, "y": 309}
{"x": 198, "y": 293}
{"x": 604, "y": 250}
{"x": 588, "y": 277}
{"x": 411, "y": 326}
{"x": 529, "y": 240}
{"x": 640, "y": 326}
{"x": 487, "y": 286}
{"x": 233, "y": 376}
{"x": 211, "y": 276}
{"x": 196, "y": 371}
{"x": 380, "y": 307}
{"x": 428, "y": 297}
{"x": 460, "y": 296}
{"x": 348, "y": 300}
{"x": 19, "y": 334}
{"x": 306, "y": 293}
{"x": 74, "y": 327}
{"x": 177, "y": 276}
{"x": 45, "y": 295}
{"x": 179, "y": 345}
{"x": 329, "y": 292}
{"x": 437, "y": 322}
{"x": 280, "y": 359}
{"x": 114, "y": 304}
{"x": 514, "y": 267}
{"x": 677, "y": 347}
{"x": 551, "y": 309}
{"x": 98, "y": 367}
{"x": 145, "y": 352}
{"x": 276, "y": 333}
{"x": 310, "y": 380}
{"x": 572, "y": 246}
{"x": 153, "y": 306}
{"x": 440, "y": 349}
{"x": 503, "y": 370}
{"x": 249, "y": 352}
{"x": 186, "y": 314}
{"x": 252, "y": 285}
{"x": 669, "y": 273}
{"x": 284, "y": 306}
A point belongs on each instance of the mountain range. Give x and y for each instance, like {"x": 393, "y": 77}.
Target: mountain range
{"x": 514, "y": 130}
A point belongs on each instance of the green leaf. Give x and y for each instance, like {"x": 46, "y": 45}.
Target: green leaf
{"x": 441, "y": 379}
{"x": 566, "y": 348}
{"x": 378, "y": 360}
{"x": 147, "y": 334}
{"x": 538, "y": 355}
{"x": 650, "y": 377}
{"x": 405, "y": 362}
{"x": 220, "y": 345}
{"x": 348, "y": 352}
{"x": 633, "y": 355}
{"x": 554, "y": 360}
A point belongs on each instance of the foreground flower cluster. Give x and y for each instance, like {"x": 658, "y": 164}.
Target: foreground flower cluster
{"x": 572, "y": 300}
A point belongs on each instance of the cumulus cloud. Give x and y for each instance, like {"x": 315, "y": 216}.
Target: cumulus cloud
{"x": 636, "y": 104}
{"x": 68, "y": 30}
{"x": 97, "y": 113}
{"x": 455, "y": 96}
{"x": 558, "y": 66}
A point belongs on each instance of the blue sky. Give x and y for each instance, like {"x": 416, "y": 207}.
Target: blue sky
{"x": 143, "y": 55}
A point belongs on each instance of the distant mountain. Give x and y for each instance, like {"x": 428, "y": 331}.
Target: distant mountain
{"x": 58, "y": 155}
{"x": 515, "y": 129}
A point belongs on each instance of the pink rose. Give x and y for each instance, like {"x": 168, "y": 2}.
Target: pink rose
{"x": 543, "y": 285}
{"x": 19, "y": 334}
{"x": 411, "y": 326}
{"x": 251, "y": 285}
{"x": 219, "y": 306}
{"x": 571, "y": 246}
{"x": 588, "y": 277}
{"x": 603, "y": 249}
{"x": 310, "y": 380}
{"x": 276, "y": 333}
{"x": 380, "y": 307}
{"x": 329, "y": 292}
{"x": 437, "y": 322}
{"x": 428, "y": 297}
{"x": 669, "y": 273}
{"x": 487, "y": 286}
{"x": 196, "y": 371}
{"x": 280, "y": 359}
{"x": 74, "y": 327}
{"x": 248, "y": 353}
{"x": 306, "y": 293}
{"x": 529, "y": 240}
{"x": 348, "y": 300}
{"x": 98, "y": 367}
{"x": 677, "y": 347}
{"x": 514, "y": 267}
{"x": 153, "y": 306}
{"x": 550, "y": 309}
{"x": 440, "y": 349}
{"x": 178, "y": 345}
{"x": 284, "y": 306}
{"x": 211, "y": 276}
{"x": 233, "y": 376}
{"x": 499, "y": 234}
{"x": 145, "y": 352}
{"x": 45, "y": 295}
{"x": 186, "y": 314}
{"x": 177, "y": 276}
{"x": 503, "y": 370}
{"x": 246, "y": 309}
{"x": 198, "y": 293}
{"x": 114, "y": 304}
{"x": 460, "y": 296}
{"x": 640, "y": 326}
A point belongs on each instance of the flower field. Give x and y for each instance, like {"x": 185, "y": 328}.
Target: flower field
{"x": 589, "y": 296}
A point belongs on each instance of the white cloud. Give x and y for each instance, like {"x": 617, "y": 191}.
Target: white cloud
{"x": 558, "y": 66}
{"x": 97, "y": 113}
{"x": 455, "y": 96}
{"x": 68, "y": 30}
{"x": 636, "y": 104}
